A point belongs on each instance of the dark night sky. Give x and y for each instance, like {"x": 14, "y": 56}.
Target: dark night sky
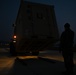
{"x": 65, "y": 11}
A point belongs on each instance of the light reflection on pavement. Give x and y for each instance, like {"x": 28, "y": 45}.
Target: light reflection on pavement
{"x": 6, "y": 62}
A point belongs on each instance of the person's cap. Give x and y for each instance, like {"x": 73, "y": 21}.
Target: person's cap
{"x": 67, "y": 25}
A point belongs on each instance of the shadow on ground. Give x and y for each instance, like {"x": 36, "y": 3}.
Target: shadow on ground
{"x": 36, "y": 66}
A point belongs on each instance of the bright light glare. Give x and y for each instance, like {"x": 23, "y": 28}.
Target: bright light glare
{"x": 14, "y": 36}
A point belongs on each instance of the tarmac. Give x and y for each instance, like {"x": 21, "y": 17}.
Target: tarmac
{"x": 46, "y": 63}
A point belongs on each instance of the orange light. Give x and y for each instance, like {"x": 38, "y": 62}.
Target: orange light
{"x": 14, "y": 36}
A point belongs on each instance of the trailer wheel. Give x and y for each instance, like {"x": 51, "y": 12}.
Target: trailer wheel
{"x": 35, "y": 53}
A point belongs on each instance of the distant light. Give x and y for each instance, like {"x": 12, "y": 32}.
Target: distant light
{"x": 14, "y": 36}
{"x": 7, "y": 44}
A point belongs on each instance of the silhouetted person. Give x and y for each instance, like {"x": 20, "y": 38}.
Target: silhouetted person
{"x": 12, "y": 48}
{"x": 66, "y": 45}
